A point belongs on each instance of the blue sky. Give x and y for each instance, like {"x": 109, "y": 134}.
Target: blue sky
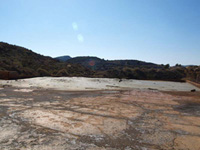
{"x": 159, "y": 31}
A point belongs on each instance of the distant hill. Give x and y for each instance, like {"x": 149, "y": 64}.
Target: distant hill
{"x": 131, "y": 69}
{"x": 96, "y": 63}
{"x": 26, "y": 63}
{"x": 63, "y": 58}
{"x": 18, "y": 62}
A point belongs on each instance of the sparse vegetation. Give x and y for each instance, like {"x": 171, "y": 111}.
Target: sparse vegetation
{"x": 18, "y": 62}
{"x": 193, "y": 73}
{"x": 26, "y": 63}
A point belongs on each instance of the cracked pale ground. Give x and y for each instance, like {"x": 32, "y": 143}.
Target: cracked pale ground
{"x": 136, "y": 119}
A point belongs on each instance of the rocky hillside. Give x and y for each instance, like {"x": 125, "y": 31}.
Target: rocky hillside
{"x": 19, "y": 62}
{"x": 131, "y": 69}
{"x": 96, "y": 63}
{"x": 193, "y": 73}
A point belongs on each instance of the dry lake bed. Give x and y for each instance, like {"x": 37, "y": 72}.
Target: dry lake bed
{"x": 98, "y": 114}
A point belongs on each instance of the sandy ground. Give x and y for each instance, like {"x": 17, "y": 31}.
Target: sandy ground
{"x": 136, "y": 119}
{"x": 89, "y": 84}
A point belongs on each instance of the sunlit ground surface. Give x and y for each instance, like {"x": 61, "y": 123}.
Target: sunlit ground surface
{"x": 135, "y": 119}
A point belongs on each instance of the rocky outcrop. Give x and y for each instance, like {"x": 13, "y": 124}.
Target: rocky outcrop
{"x": 7, "y": 75}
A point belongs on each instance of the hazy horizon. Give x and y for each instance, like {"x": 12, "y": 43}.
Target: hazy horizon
{"x": 154, "y": 31}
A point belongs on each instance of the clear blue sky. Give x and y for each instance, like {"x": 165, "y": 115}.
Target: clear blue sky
{"x": 159, "y": 31}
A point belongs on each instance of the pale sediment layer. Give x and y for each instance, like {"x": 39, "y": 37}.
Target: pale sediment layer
{"x": 91, "y": 84}
{"x": 37, "y": 119}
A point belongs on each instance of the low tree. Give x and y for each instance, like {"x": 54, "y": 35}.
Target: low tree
{"x": 43, "y": 72}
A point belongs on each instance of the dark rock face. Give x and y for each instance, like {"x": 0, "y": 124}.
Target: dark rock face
{"x": 6, "y": 75}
